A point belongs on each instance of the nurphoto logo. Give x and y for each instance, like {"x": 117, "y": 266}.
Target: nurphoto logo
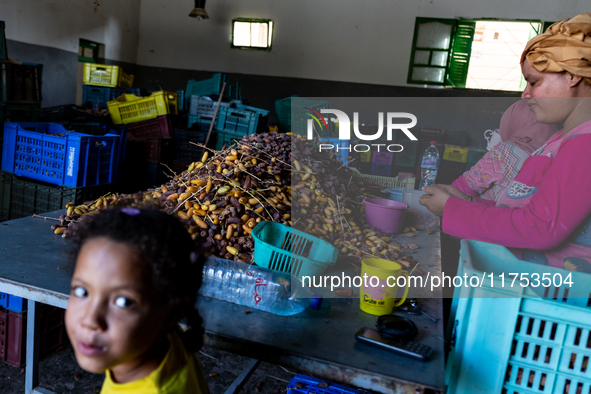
{"x": 345, "y": 130}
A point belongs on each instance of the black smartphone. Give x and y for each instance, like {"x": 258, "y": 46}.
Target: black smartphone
{"x": 402, "y": 347}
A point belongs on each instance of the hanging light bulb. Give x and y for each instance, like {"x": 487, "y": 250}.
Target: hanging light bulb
{"x": 199, "y": 10}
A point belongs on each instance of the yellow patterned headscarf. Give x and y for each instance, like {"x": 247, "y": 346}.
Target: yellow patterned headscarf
{"x": 565, "y": 46}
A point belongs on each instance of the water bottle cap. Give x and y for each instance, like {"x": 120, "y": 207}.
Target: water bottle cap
{"x": 433, "y": 142}
{"x": 316, "y": 302}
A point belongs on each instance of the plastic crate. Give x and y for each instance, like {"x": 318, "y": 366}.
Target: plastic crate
{"x": 382, "y": 157}
{"x": 202, "y": 107}
{"x": 341, "y": 148}
{"x": 49, "y": 153}
{"x": 180, "y": 166}
{"x": 104, "y": 75}
{"x": 408, "y": 156}
{"x": 184, "y": 150}
{"x": 293, "y": 115}
{"x": 70, "y": 113}
{"x": 455, "y": 153}
{"x": 365, "y": 157}
{"x": 155, "y": 150}
{"x": 457, "y": 138}
{"x": 3, "y": 51}
{"x": 238, "y": 121}
{"x": 227, "y": 139}
{"x": 235, "y": 91}
{"x": 160, "y": 127}
{"x": 12, "y": 303}
{"x": 139, "y": 92}
{"x": 302, "y": 384}
{"x": 23, "y": 197}
{"x": 19, "y": 112}
{"x": 180, "y": 95}
{"x": 207, "y": 87}
{"x": 96, "y": 96}
{"x": 518, "y": 339}
{"x": 282, "y": 248}
{"x": 449, "y": 171}
{"x": 428, "y": 135}
{"x": 474, "y": 156}
{"x": 21, "y": 82}
{"x": 129, "y": 108}
{"x": 13, "y": 338}
{"x": 381, "y": 169}
{"x": 382, "y": 181}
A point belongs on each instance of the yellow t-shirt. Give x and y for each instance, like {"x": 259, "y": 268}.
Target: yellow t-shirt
{"x": 180, "y": 372}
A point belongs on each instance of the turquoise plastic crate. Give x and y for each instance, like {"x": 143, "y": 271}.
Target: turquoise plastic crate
{"x": 282, "y": 248}
{"x": 237, "y": 121}
{"x": 302, "y": 384}
{"x": 13, "y": 303}
{"x": 226, "y": 138}
{"x": 519, "y": 339}
{"x": 207, "y": 87}
{"x": 292, "y": 114}
{"x": 49, "y": 153}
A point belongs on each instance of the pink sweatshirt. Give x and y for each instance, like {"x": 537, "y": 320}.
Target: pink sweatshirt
{"x": 543, "y": 209}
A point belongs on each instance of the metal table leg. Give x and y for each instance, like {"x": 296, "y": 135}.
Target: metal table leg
{"x": 32, "y": 356}
{"x": 241, "y": 380}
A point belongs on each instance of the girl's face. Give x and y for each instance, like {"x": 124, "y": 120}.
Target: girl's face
{"x": 112, "y": 319}
{"x": 548, "y": 95}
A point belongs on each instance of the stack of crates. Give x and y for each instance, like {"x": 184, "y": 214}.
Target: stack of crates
{"x": 13, "y": 330}
{"x": 20, "y": 88}
{"x": 453, "y": 157}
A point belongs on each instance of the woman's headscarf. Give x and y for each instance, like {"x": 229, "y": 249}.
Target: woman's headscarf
{"x": 519, "y": 126}
{"x": 565, "y": 46}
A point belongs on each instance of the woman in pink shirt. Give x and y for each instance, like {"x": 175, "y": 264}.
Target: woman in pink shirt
{"x": 521, "y": 135}
{"x": 543, "y": 215}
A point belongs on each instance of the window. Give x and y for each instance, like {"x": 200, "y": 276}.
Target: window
{"x": 88, "y": 51}
{"x": 473, "y": 54}
{"x": 252, "y": 33}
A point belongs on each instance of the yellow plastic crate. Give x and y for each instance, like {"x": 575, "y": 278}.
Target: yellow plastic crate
{"x": 104, "y": 75}
{"x": 132, "y": 109}
{"x": 455, "y": 153}
{"x": 384, "y": 182}
{"x": 365, "y": 157}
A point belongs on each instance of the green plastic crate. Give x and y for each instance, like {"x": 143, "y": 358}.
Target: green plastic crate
{"x": 517, "y": 339}
{"x": 282, "y": 248}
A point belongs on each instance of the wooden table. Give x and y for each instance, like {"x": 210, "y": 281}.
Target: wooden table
{"x": 35, "y": 264}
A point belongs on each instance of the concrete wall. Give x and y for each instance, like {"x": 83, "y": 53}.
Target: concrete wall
{"x": 334, "y": 40}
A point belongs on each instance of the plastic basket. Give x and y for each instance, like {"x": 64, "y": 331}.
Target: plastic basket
{"x": 382, "y": 158}
{"x": 154, "y": 150}
{"x": 129, "y": 108}
{"x": 22, "y": 197}
{"x": 13, "y": 303}
{"x": 428, "y": 135}
{"x": 104, "y": 75}
{"x": 139, "y": 92}
{"x": 49, "y": 153}
{"x": 292, "y": 114}
{"x": 203, "y": 107}
{"x": 365, "y": 157}
{"x": 282, "y": 248}
{"x": 159, "y": 127}
{"x": 237, "y": 121}
{"x": 70, "y": 113}
{"x": 408, "y": 156}
{"x": 19, "y": 112}
{"x": 381, "y": 169}
{"x": 184, "y": 150}
{"x": 227, "y": 139}
{"x": 455, "y": 153}
{"x": 302, "y": 384}
{"x": 96, "y": 96}
{"x": 3, "y": 51}
{"x": 207, "y": 87}
{"x": 474, "y": 156}
{"x": 518, "y": 339}
{"x": 382, "y": 181}
{"x": 21, "y": 82}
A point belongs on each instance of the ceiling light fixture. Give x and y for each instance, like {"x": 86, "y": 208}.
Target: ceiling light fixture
{"x": 199, "y": 10}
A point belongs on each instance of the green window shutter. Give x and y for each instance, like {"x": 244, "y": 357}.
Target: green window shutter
{"x": 88, "y": 51}
{"x": 430, "y": 52}
{"x": 546, "y": 25}
{"x": 460, "y": 54}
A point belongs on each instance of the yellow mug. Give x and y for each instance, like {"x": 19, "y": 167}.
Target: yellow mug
{"x": 378, "y": 290}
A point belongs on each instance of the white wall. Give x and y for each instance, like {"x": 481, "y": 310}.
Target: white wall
{"x": 61, "y": 23}
{"x": 365, "y": 41}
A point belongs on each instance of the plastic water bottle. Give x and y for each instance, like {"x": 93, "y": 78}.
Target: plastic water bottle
{"x": 429, "y": 166}
{"x": 256, "y": 287}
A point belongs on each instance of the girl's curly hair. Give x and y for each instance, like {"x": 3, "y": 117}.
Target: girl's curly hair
{"x": 173, "y": 262}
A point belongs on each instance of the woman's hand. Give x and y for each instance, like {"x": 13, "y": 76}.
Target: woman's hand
{"x": 435, "y": 198}
{"x": 456, "y": 193}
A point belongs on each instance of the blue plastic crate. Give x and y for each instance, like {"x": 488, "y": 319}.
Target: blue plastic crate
{"x": 96, "y": 96}
{"x": 13, "y": 303}
{"x": 207, "y": 87}
{"x": 381, "y": 169}
{"x": 343, "y": 149}
{"x": 237, "y": 121}
{"x": 302, "y": 384}
{"x": 49, "y": 153}
{"x": 516, "y": 339}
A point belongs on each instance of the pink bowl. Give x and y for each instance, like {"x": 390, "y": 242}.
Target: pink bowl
{"x": 385, "y": 215}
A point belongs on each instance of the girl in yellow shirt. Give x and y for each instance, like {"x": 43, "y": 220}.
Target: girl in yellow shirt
{"x": 137, "y": 275}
